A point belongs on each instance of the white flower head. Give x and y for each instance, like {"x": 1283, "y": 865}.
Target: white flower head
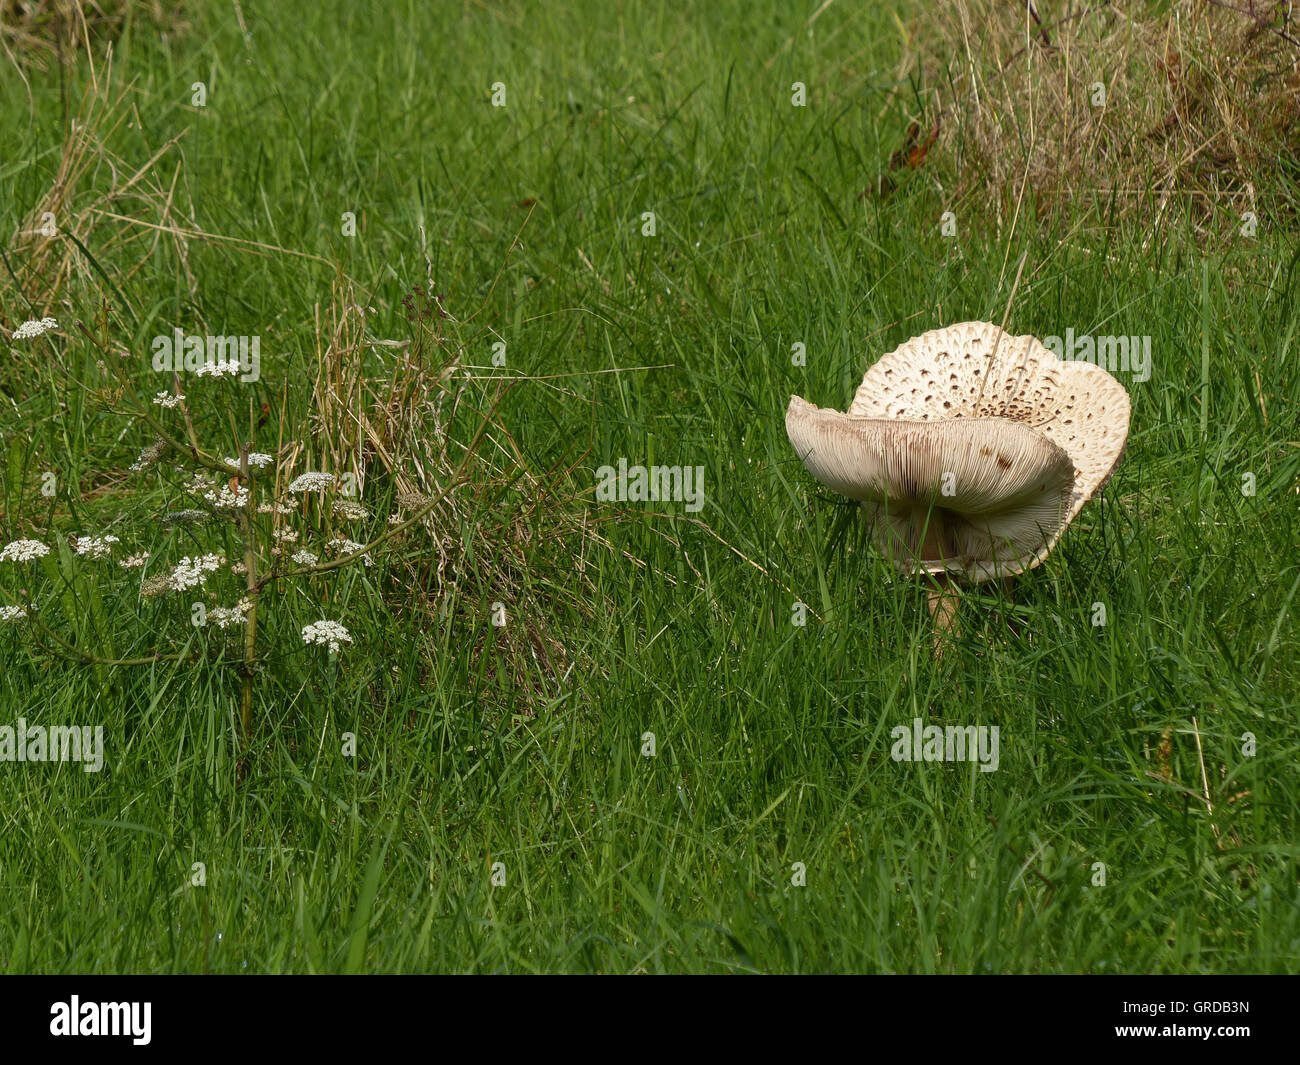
{"x": 351, "y": 547}
{"x": 349, "y": 510}
{"x": 226, "y": 616}
{"x": 185, "y": 517}
{"x": 95, "y": 546}
{"x": 225, "y": 499}
{"x": 304, "y": 558}
{"x": 149, "y": 455}
{"x": 274, "y": 508}
{"x": 192, "y": 572}
{"x": 12, "y": 613}
{"x": 135, "y": 561}
{"x": 286, "y": 536}
{"x": 311, "y": 482}
{"x": 326, "y": 632}
{"x": 169, "y": 399}
{"x": 255, "y": 459}
{"x": 219, "y": 368}
{"x": 23, "y": 551}
{"x": 35, "y": 328}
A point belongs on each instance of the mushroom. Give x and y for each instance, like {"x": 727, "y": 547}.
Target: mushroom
{"x": 970, "y": 451}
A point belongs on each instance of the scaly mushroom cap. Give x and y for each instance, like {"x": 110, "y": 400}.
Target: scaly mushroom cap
{"x": 971, "y": 450}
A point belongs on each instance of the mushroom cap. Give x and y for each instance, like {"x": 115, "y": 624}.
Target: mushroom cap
{"x": 1027, "y": 438}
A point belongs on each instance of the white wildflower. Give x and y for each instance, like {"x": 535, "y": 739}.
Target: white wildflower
{"x": 220, "y": 368}
{"x": 311, "y": 482}
{"x": 226, "y": 616}
{"x": 156, "y": 585}
{"x": 185, "y": 517}
{"x": 304, "y": 558}
{"x": 169, "y": 399}
{"x": 95, "y": 546}
{"x": 326, "y": 632}
{"x": 150, "y": 455}
{"x": 274, "y": 508}
{"x": 226, "y": 499}
{"x": 135, "y": 561}
{"x": 23, "y": 551}
{"x": 34, "y": 328}
{"x": 192, "y": 572}
{"x": 255, "y": 458}
{"x": 351, "y": 547}
{"x": 12, "y": 613}
{"x": 349, "y": 510}
{"x": 286, "y": 536}
{"x": 395, "y": 519}
{"x": 199, "y": 483}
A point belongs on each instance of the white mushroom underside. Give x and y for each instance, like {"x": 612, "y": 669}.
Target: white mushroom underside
{"x": 983, "y": 497}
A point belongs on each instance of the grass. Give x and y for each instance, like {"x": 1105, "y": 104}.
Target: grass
{"x": 1120, "y": 744}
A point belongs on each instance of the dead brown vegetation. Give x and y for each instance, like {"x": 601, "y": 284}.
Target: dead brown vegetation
{"x": 38, "y": 34}
{"x": 1158, "y": 109}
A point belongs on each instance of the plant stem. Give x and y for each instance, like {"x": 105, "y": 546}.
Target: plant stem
{"x": 944, "y": 601}
{"x": 249, "y": 529}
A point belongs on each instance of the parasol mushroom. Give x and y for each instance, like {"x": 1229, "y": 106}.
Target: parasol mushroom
{"x": 970, "y": 450}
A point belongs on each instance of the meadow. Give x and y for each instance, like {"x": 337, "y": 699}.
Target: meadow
{"x": 490, "y": 248}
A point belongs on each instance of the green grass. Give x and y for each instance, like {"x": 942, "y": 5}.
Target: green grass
{"x": 772, "y": 740}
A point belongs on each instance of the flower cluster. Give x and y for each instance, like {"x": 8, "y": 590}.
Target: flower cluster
{"x": 349, "y": 510}
{"x": 311, "y": 482}
{"x": 149, "y": 455}
{"x": 95, "y": 546}
{"x": 192, "y": 572}
{"x": 169, "y": 399}
{"x": 23, "y": 551}
{"x": 255, "y": 458}
{"x": 351, "y": 547}
{"x": 305, "y": 558}
{"x": 227, "y": 499}
{"x": 220, "y": 368}
{"x": 326, "y": 632}
{"x": 12, "y": 613}
{"x": 185, "y": 517}
{"x": 35, "y": 328}
{"x": 226, "y": 616}
{"x": 135, "y": 561}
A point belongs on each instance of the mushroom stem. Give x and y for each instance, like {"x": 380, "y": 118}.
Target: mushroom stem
{"x": 943, "y": 609}
{"x": 1008, "y": 592}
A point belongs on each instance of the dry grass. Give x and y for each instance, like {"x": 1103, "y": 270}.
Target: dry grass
{"x": 98, "y": 209}
{"x": 39, "y": 34}
{"x": 1200, "y": 114}
{"x": 383, "y": 409}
